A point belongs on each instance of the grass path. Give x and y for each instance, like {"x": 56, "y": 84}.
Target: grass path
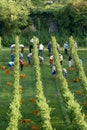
{"x": 51, "y": 91}
{"x": 53, "y": 95}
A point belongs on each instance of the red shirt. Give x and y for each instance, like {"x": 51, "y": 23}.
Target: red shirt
{"x": 21, "y": 62}
{"x": 51, "y": 61}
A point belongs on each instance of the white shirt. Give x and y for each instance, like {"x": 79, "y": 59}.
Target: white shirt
{"x": 13, "y": 45}
{"x": 41, "y": 58}
{"x": 21, "y": 45}
{"x": 41, "y": 47}
{"x": 29, "y": 55}
{"x": 32, "y": 40}
{"x": 75, "y": 45}
{"x": 60, "y": 57}
{"x": 65, "y": 46}
{"x": 64, "y": 70}
{"x": 11, "y": 63}
{"x": 51, "y": 57}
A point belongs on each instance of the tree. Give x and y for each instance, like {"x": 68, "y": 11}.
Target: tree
{"x": 13, "y": 14}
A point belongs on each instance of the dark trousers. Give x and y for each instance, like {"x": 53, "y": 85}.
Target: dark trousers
{"x": 61, "y": 62}
{"x": 40, "y": 52}
{"x": 65, "y": 51}
{"x": 21, "y": 67}
{"x": 30, "y": 48}
{"x": 29, "y": 60}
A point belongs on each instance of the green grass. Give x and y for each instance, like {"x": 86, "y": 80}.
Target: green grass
{"x": 50, "y": 88}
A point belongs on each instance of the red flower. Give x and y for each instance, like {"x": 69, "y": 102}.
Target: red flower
{"x": 71, "y": 69}
{"x": 78, "y": 92}
{"x": 76, "y": 80}
{"x": 7, "y": 71}
{"x": 25, "y": 121}
{"x": 32, "y": 100}
{"x": 22, "y": 121}
{"x": 9, "y": 83}
{"x": 85, "y": 104}
{"x": 35, "y": 112}
{"x": 22, "y": 76}
{"x": 67, "y": 80}
{"x": 34, "y": 127}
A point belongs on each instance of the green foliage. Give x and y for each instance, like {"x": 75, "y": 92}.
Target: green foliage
{"x": 8, "y": 40}
{"x": 74, "y": 109}
{"x": 13, "y": 15}
{"x": 17, "y": 16}
{"x": 70, "y": 19}
{"x": 15, "y": 114}
{"x": 60, "y": 77}
{"x": 50, "y": 91}
{"x": 41, "y": 100}
{"x": 0, "y": 43}
{"x": 38, "y": 2}
{"x": 78, "y": 65}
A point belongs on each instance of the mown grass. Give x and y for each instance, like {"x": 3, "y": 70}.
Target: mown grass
{"x": 50, "y": 91}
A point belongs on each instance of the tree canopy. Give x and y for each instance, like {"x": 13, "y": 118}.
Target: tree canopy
{"x": 14, "y": 13}
{"x": 70, "y": 16}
